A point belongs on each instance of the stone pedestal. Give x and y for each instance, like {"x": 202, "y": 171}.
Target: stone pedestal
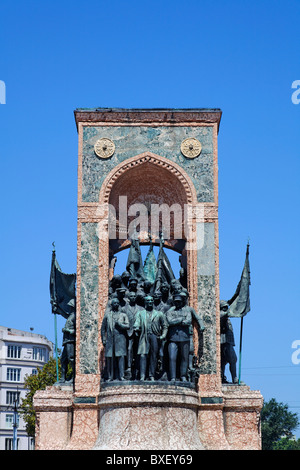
{"x": 85, "y": 424}
{"x": 241, "y": 415}
{"x": 148, "y": 417}
{"x": 65, "y": 421}
{"x": 210, "y": 416}
{"x": 53, "y": 408}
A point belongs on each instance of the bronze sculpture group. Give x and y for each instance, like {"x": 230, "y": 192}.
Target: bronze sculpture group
{"x": 148, "y": 326}
{"x": 147, "y": 331}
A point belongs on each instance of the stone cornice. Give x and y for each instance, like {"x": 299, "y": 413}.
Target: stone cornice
{"x": 156, "y": 117}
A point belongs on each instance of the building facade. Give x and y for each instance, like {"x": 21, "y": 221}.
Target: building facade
{"x": 21, "y": 354}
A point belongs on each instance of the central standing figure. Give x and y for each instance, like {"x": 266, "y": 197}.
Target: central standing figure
{"x": 151, "y": 326}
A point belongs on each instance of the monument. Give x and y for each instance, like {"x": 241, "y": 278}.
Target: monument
{"x": 151, "y": 345}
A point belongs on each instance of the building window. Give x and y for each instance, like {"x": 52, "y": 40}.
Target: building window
{"x": 13, "y": 375}
{"x": 9, "y": 444}
{"x": 39, "y": 354}
{"x": 11, "y": 397}
{"x": 34, "y": 372}
{"x": 9, "y": 420}
{"x": 13, "y": 351}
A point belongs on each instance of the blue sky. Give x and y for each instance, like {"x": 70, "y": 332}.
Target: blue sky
{"x": 240, "y": 56}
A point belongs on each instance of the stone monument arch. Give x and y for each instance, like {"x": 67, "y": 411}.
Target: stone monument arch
{"x": 146, "y": 159}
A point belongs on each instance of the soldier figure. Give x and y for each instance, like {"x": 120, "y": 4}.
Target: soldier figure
{"x": 180, "y": 321}
{"x": 228, "y": 355}
{"x": 163, "y": 350}
{"x": 184, "y": 295}
{"x": 125, "y": 279}
{"x": 68, "y": 354}
{"x": 165, "y": 296}
{"x": 132, "y": 284}
{"x": 113, "y": 334}
{"x": 114, "y": 284}
{"x": 121, "y": 296}
{"x": 131, "y": 311}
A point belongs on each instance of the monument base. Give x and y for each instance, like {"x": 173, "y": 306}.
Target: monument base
{"x": 148, "y": 417}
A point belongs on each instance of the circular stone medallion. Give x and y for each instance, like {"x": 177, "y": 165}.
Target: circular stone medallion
{"x": 104, "y": 148}
{"x": 191, "y": 148}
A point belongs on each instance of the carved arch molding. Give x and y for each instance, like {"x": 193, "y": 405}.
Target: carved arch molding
{"x": 148, "y": 179}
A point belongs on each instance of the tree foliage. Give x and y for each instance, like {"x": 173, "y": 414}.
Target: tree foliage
{"x": 45, "y": 377}
{"x": 287, "y": 444}
{"x": 277, "y": 425}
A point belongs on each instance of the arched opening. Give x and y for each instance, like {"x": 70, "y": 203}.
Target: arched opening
{"x": 148, "y": 195}
{"x": 149, "y": 200}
